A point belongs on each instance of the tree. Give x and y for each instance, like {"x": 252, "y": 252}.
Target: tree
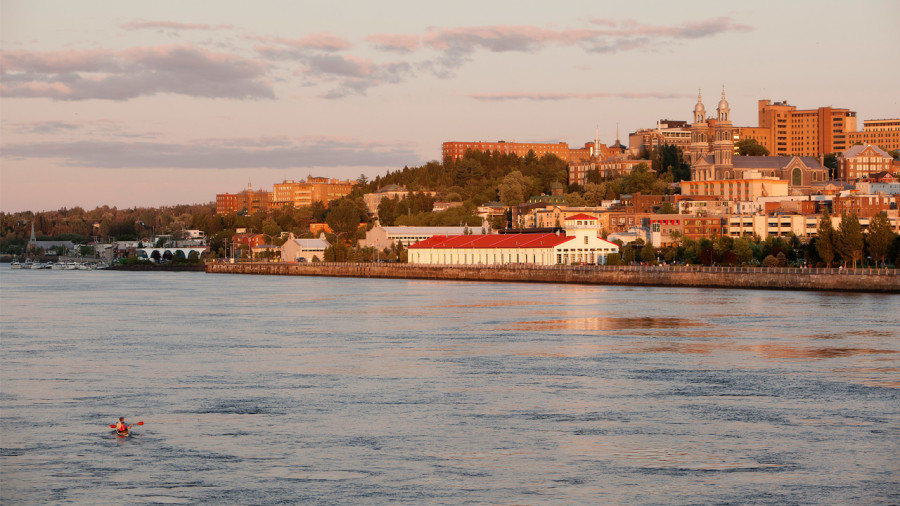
{"x": 880, "y": 237}
{"x": 344, "y": 219}
{"x": 825, "y": 239}
{"x": 749, "y": 147}
{"x": 741, "y": 249}
{"x": 648, "y": 254}
{"x": 850, "y": 239}
{"x": 512, "y": 189}
{"x": 667, "y": 208}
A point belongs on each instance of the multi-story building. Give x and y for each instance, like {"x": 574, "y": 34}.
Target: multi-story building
{"x": 807, "y": 132}
{"x": 248, "y": 201}
{"x": 747, "y": 188}
{"x": 456, "y": 150}
{"x": 861, "y": 161}
{"x": 314, "y": 189}
{"x": 673, "y": 133}
{"x": 866, "y": 206}
{"x": 804, "y": 226}
{"x": 884, "y": 133}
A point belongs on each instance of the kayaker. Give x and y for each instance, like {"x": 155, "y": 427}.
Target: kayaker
{"x": 120, "y": 425}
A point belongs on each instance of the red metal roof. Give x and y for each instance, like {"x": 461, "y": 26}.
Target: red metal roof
{"x": 581, "y": 216}
{"x": 511, "y": 241}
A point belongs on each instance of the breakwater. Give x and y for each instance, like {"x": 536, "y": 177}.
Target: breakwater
{"x": 771, "y": 278}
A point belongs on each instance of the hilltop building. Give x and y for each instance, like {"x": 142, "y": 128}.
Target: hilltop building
{"x": 288, "y": 193}
{"x": 456, "y": 150}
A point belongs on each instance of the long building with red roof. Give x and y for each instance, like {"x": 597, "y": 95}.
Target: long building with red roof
{"x": 579, "y": 244}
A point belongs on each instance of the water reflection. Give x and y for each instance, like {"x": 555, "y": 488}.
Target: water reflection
{"x": 608, "y": 324}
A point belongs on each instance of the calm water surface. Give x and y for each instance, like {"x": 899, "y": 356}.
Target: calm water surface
{"x": 258, "y": 390}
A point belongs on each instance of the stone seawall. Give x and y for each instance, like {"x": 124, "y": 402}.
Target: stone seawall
{"x": 774, "y": 278}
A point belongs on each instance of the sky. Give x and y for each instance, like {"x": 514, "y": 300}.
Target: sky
{"x": 135, "y": 103}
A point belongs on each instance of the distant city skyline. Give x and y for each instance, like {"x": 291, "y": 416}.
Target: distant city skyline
{"x": 161, "y": 103}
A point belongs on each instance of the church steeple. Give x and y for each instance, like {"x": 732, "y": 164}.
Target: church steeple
{"x": 699, "y": 110}
{"x": 723, "y": 110}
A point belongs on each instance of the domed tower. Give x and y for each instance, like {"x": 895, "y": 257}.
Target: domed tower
{"x": 699, "y": 132}
{"x": 723, "y": 146}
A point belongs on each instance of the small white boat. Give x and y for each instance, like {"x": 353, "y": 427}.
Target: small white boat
{"x": 37, "y": 265}
{"x": 72, "y": 265}
{"x": 58, "y": 266}
{"x": 15, "y": 264}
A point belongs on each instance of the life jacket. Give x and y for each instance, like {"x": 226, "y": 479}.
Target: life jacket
{"x": 121, "y": 427}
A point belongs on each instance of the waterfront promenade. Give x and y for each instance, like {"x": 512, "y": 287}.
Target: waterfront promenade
{"x": 771, "y": 278}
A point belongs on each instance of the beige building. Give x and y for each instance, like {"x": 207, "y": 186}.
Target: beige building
{"x": 747, "y": 188}
{"x": 303, "y": 250}
{"x": 384, "y": 237}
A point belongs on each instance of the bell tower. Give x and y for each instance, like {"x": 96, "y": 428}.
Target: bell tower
{"x": 699, "y": 132}
{"x": 723, "y": 145}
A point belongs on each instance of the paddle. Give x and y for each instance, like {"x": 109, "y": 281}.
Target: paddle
{"x": 113, "y": 426}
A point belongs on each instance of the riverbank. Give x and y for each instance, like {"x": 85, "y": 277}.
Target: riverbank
{"x": 768, "y": 278}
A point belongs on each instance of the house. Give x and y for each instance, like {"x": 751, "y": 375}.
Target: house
{"x": 579, "y": 244}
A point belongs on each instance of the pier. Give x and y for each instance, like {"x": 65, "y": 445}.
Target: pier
{"x": 768, "y": 278}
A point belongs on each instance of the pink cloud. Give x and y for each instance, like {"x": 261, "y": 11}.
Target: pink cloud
{"x": 689, "y": 30}
{"x": 182, "y": 69}
{"x": 394, "y": 42}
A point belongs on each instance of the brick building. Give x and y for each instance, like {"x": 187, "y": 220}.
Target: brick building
{"x": 862, "y": 161}
{"x": 455, "y": 150}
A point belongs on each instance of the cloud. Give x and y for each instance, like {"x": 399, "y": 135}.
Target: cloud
{"x": 456, "y": 45}
{"x": 501, "y": 97}
{"x": 172, "y": 26}
{"x": 46, "y": 127}
{"x": 123, "y": 75}
{"x": 282, "y": 48}
{"x": 273, "y": 153}
{"x": 400, "y": 43}
{"x": 689, "y": 30}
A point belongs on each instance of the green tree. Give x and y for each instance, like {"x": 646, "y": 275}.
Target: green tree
{"x": 880, "y": 237}
{"x": 344, "y": 220}
{"x": 667, "y": 208}
{"x": 648, "y": 254}
{"x": 850, "y": 241}
{"x": 825, "y": 239}
{"x": 741, "y": 249}
{"x": 749, "y": 147}
{"x": 512, "y": 189}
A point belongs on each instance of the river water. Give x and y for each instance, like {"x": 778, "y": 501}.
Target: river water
{"x": 263, "y": 389}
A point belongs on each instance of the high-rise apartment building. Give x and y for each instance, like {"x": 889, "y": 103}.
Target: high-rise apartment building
{"x": 787, "y": 131}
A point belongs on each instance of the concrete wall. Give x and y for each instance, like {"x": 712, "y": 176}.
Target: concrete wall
{"x": 776, "y": 278}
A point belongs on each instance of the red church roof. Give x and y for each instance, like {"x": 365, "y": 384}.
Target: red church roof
{"x": 492, "y": 241}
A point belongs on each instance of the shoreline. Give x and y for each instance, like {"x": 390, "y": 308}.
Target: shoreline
{"x": 762, "y": 278}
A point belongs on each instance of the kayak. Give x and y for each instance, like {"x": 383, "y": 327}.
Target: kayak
{"x": 124, "y": 433}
